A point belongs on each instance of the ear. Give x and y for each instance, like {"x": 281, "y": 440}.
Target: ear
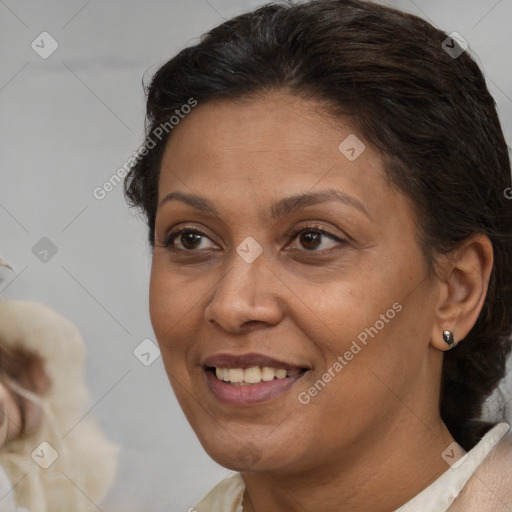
{"x": 464, "y": 279}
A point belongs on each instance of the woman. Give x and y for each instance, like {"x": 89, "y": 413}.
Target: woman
{"x": 330, "y": 288}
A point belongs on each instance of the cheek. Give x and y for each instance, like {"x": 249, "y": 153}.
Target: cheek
{"x": 342, "y": 309}
{"x": 371, "y": 320}
{"x": 171, "y": 310}
{"x": 160, "y": 302}
{"x": 170, "y": 306}
{"x": 176, "y": 308}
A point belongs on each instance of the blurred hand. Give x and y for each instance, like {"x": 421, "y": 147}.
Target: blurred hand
{"x": 28, "y": 372}
{"x": 10, "y": 415}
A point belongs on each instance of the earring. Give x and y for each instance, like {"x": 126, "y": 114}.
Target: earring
{"x": 448, "y": 338}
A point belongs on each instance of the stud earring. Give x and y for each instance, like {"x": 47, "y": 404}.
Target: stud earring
{"x": 448, "y": 338}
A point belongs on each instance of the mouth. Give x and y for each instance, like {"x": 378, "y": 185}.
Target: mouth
{"x": 250, "y": 379}
{"x": 252, "y": 375}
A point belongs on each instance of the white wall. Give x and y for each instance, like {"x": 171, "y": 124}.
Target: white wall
{"x": 67, "y": 124}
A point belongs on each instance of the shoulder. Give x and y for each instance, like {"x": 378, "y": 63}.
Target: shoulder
{"x": 490, "y": 486}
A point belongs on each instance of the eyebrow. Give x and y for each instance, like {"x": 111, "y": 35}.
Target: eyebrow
{"x": 280, "y": 209}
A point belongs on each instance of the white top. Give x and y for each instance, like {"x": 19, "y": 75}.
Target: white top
{"x": 227, "y": 496}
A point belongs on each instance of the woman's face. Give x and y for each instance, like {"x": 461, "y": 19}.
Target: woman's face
{"x": 333, "y": 285}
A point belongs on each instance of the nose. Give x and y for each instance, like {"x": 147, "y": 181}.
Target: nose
{"x": 249, "y": 294}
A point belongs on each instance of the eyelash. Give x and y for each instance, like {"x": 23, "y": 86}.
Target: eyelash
{"x": 292, "y": 235}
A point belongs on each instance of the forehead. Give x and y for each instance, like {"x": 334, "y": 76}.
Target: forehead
{"x": 258, "y": 127}
{"x": 270, "y": 146}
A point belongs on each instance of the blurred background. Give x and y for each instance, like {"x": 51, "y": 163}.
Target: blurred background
{"x": 72, "y": 113}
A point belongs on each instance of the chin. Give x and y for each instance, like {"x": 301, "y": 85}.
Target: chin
{"x": 244, "y": 454}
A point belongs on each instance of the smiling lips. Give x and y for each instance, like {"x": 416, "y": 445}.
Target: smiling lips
{"x": 252, "y": 375}
{"x": 249, "y": 379}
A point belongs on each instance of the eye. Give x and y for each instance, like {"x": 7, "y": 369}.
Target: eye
{"x": 190, "y": 239}
{"x": 311, "y": 238}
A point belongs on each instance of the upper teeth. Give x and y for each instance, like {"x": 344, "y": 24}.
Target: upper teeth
{"x": 252, "y": 375}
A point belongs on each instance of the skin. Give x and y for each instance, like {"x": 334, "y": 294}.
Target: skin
{"x": 373, "y": 437}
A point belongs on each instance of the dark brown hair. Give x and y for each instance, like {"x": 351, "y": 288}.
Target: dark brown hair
{"x": 428, "y": 113}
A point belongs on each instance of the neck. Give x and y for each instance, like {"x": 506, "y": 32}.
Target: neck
{"x": 379, "y": 475}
